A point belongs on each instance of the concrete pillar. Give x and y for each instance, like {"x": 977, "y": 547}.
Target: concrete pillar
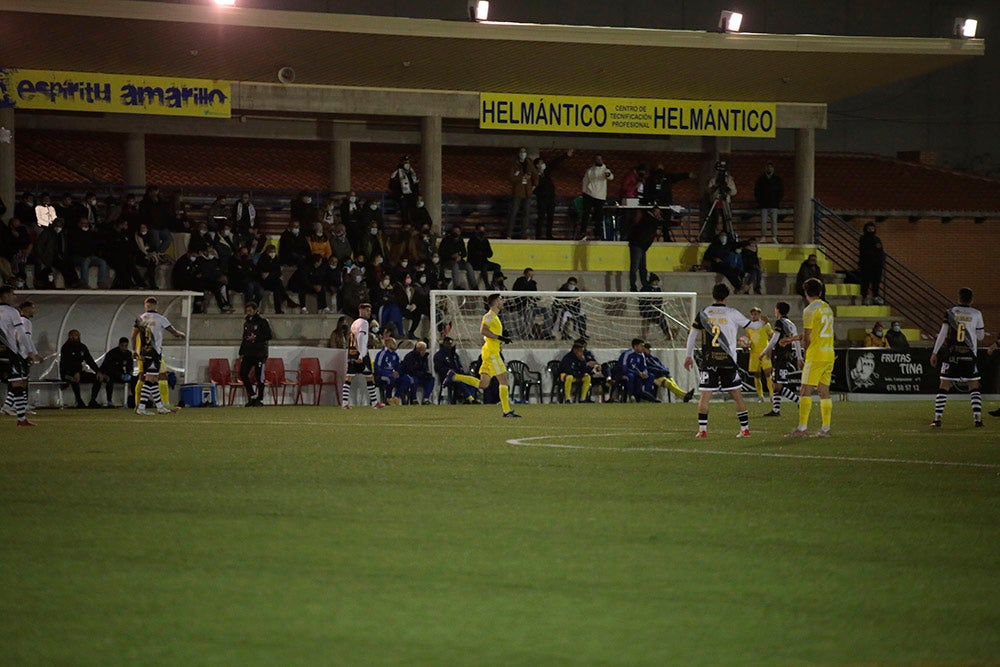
{"x": 340, "y": 165}
{"x": 135, "y": 161}
{"x": 7, "y": 189}
{"x": 805, "y": 181}
{"x": 430, "y": 157}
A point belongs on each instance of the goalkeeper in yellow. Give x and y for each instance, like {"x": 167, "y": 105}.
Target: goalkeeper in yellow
{"x": 817, "y": 339}
{"x": 760, "y": 366}
{"x": 493, "y": 365}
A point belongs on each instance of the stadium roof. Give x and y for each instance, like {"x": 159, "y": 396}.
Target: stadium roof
{"x": 250, "y": 45}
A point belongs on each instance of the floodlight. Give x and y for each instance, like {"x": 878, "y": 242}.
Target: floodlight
{"x": 965, "y": 28}
{"x": 226, "y": 3}
{"x": 479, "y": 10}
{"x": 730, "y": 21}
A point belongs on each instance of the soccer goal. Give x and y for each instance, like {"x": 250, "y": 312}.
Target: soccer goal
{"x": 547, "y": 320}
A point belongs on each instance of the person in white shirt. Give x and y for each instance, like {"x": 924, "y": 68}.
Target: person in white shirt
{"x": 147, "y": 345}
{"x": 958, "y": 343}
{"x": 45, "y": 212}
{"x": 595, "y": 193}
{"x": 358, "y": 361}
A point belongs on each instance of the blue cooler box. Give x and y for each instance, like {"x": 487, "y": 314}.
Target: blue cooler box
{"x": 197, "y": 395}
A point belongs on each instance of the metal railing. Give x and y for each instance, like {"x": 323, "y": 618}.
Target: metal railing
{"x": 917, "y": 301}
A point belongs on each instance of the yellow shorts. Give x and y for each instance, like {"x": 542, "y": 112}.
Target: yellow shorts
{"x": 758, "y": 364}
{"x": 492, "y": 365}
{"x": 815, "y": 373}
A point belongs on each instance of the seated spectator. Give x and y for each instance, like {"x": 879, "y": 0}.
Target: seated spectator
{"x": 269, "y": 276}
{"x": 370, "y": 214}
{"x": 214, "y": 279}
{"x": 243, "y": 276}
{"x": 340, "y": 246}
{"x": 84, "y": 246}
{"x": 354, "y": 292}
{"x": 719, "y": 257}
{"x": 120, "y": 252}
{"x": 414, "y": 302}
{"x": 333, "y": 280}
{"x": 387, "y": 372}
{"x": 420, "y": 216}
{"x": 146, "y": 255}
{"x": 896, "y": 338}
{"x": 451, "y": 373}
{"x": 226, "y": 242}
{"x": 116, "y": 367}
{"x": 480, "y": 251}
{"x": 659, "y": 376}
{"x": 452, "y": 252}
{"x": 372, "y": 244}
{"x": 417, "y": 374}
{"x": 634, "y": 372}
{"x": 310, "y": 278}
{"x": 389, "y": 309}
{"x": 51, "y": 255}
{"x": 293, "y": 248}
{"x": 72, "y": 356}
{"x": 597, "y": 378}
{"x": 180, "y": 215}
{"x": 427, "y": 243}
{"x": 319, "y": 242}
{"x": 573, "y": 371}
{"x": 876, "y": 337}
{"x": 17, "y": 248}
{"x": 186, "y": 275}
{"x": 808, "y": 269}
{"x": 568, "y": 311}
{"x": 350, "y": 214}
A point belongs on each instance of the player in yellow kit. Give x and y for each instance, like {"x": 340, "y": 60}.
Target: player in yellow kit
{"x": 817, "y": 339}
{"x": 760, "y": 367}
{"x": 493, "y": 366}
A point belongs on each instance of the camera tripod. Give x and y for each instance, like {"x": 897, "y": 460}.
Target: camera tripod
{"x": 720, "y": 202}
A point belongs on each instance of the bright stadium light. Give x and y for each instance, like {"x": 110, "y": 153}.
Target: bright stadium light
{"x": 965, "y": 28}
{"x": 226, "y": 3}
{"x": 730, "y": 21}
{"x": 479, "y": 10}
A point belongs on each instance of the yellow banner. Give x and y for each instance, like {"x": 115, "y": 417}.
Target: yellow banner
{"x": 113, "y": 93}
{"x": 564, "y": 113}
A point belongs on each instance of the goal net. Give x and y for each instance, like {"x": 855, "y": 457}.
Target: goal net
{"x": 547, "y": 320}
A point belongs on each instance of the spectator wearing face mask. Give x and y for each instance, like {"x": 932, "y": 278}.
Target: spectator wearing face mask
{"x": 871, "y": 262}
{"x": 350, "y": 211}
{"x": 808, "y": 269}
{"x": 269, "y": 277}
{"x": 480, "y": 251}
{"x": 310, "y": 278}
{"x": 341, "y": 334}
{"x": 244, "y": 215}
{"x": 420, "y": 216}
{"x": 303, "y": 210}
{"x": 567, "y": 312}
{"x": 226, "y": 242}
{"x": 452, "y": 253}
{"x": 545, "y": 193}
{"x": 243, "y": 276}
{"x": 214, "y": 278}
{"x": 355, "y": 292}
{"x": 427, "y": 243}
{"x": 522, "y": 177}
{"x": 719, "y": 257}
{"x": 876, "y": 337}
{"x": 388, "y": 310}
{"x": 595, "y": 194}
{"x": 84, "y": 246}
{"x": 51, "y": 255}
{"x": 340, "y": 246}
{"x": 88, "y": 209}
{"x": 319, "y": 241}
{"x": 374, "y": 242}
{"x": 896, "y": 338}
{"x": 293, "y": 247}
{"x": 414, "y": 302}
{"x": 371, "y": 214}
{"x": 404, "y": 187}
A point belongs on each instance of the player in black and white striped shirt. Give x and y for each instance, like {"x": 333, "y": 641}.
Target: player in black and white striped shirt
{"x": 18, "y": 352}
{"x": 958, "y": 341}
{"x": 785, "y": 359}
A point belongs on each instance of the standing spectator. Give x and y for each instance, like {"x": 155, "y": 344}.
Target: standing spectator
{"x": 254, "y": 352}
{"x": 244, "y": 216}
{"x": 17, "y": 249}
{"x": 545, "y": 193}
{"x": 480, "y": 252}
{"x": 293, "y": 247}
{"x": 116, "y": 367}
{"x": 73, "y": 355}
{"x": 595, "y": 193}
{"x": 24, "y": 210}
{"x": 88, "y": 209}
{"x": 328, "y": 212}
{"x": 51, "y": 255}
{"x": 333, "y": 280}
{"x": 896, "y": 338}
{"x": 651, "y": 309}
{"x": 876, "y": 337}
{"x": 524, "y": 309}
{"x": 302, "y": 209}
{"x": 871, "y": 262}
{"x": 768, "y": 191}
{"x": 218, "y": 212}
{"x": 522, "y": 177}
{"x": 567, "y": 311}
{"x": 752, "y": 273}
{"x": 45, "y": 212}
{"x": 84, "y": 246}
{"x": 373, "y": 243}
{"x": 417, "y": 374}
{"x": 186, "y": 275}
{"x": 640, "y": 238}
{"x": 453, "y": 258}
{"x": 720, "y": 190}
{"x": 404, "y": 187}
{"x": 634, "y": 184}
{"x": 808, "y": 269}
{"x": 659, "y": 191}
{"x": 419, "y": 216}
{"x": 350, "y": 215}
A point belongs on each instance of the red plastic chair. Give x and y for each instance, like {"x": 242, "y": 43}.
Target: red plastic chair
{"x": 311, "y": 375}
{"x": 221, "y": 375}
{"x": 275, "y": 376}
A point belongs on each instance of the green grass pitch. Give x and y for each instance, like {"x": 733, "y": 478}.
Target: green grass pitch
{"x": 578, "y": 535}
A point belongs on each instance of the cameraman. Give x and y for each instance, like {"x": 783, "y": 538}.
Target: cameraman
{"x": 720, "y": 190}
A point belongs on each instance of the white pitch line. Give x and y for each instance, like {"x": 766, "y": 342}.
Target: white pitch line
{"x": 523, "y": 442}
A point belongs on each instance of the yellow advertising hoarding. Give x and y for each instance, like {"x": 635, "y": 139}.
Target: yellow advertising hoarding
{"x": 609, "y": 115}
{"x": 113, "y": 93}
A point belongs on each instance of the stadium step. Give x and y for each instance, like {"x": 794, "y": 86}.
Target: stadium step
{"x": 863, "y": 311}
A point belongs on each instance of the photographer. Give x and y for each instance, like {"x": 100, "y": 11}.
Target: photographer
{"x": 720, "y": 190}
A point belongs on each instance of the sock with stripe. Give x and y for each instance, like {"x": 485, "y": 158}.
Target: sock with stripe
{"x": 372, "y": 394}
{"x": 976, "y": 399}
{"x": 345, "y": 393}
{"x": 939, "y": 402}
{"x": 702, "y": 421}
{"x": 744, "y": 418}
